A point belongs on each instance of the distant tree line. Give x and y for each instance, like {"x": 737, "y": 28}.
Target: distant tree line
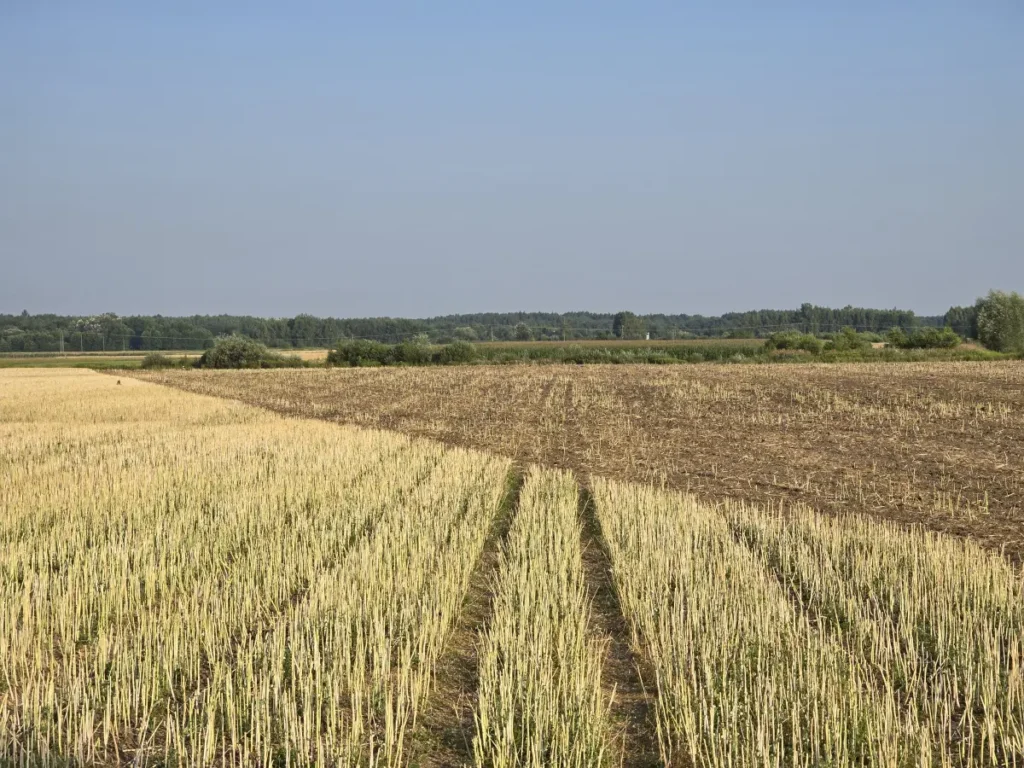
{"x": 43, "y": 333}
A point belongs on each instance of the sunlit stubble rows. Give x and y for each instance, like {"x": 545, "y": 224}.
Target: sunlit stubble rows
{"x": 940, "y": 621}
{"x": 540, "y": 698}
{"x": 743, "y": 678}
{"x": 189, "y": 580}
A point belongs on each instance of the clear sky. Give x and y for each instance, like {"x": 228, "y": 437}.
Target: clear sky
{"x": 431, "y": 158}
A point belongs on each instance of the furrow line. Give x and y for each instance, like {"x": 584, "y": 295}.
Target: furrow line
{"x": 445, "y": 726}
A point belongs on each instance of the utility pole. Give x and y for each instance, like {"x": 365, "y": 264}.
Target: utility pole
{"x": 62, "y": 343}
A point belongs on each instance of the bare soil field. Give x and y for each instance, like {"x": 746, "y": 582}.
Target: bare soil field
{"x": 938, "y": 444}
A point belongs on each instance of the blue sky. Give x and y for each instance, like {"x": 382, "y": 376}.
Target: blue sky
{"x": 429, "y": 158}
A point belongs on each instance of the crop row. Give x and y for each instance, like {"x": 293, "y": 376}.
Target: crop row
{"x": 540, "y": 695}
{"x": 802, "y": 641}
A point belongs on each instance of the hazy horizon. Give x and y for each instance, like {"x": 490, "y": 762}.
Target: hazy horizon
{"x": 4, "y": 311}
{"x": 346, "y": 161}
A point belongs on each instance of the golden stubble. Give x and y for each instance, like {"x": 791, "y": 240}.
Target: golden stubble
{"x": 192, "y": 581}
{"x": 801, "y": 640}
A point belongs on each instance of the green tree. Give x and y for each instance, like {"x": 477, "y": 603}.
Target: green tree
{"x": 521, "y": 332}
{"x": 848, "y": 340}
{"x": 626, "y": 325}
{"x": 1001, "y": 321}
{"x": 923, "y": 338}
{"x": 963, "y": 320}
{"x": 809, "y": 317}
{"x": 304, "y": 331}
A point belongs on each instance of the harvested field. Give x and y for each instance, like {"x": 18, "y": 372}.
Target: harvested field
{"x": 811, "y": 641}
{"x": 192, "y": 581}
{"x": 939, "y": 444}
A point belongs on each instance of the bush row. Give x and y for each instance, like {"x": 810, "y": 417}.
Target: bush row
{"x": 362, "y": 353}
{"x": 371, "y": 353}
{"x": 924, "y": 343}
{"x": 923, "y": 338}
{"x": 848, "y": 340}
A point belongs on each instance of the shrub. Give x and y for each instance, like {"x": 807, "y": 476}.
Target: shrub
{"x": 360, "y": 352}
{"x": 1001, "y": 321}
{"x": 413, "y": 352}
{"x": 941, "y": 338}
{"x": 234, "y": 352}
{"x": 898, "y": 338}
{"x": 794, "y": 340}
{"x": 242, "y": 352}
{"x": 364, "y": 353}
{"x": 923, "y": 338}
{"x": 781, "y": 340}
{"x": 847, "y": 340}
{"x": 456, "y": 353}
